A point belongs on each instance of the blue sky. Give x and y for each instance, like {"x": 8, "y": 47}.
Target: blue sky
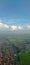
{"x": 15, "y": 12}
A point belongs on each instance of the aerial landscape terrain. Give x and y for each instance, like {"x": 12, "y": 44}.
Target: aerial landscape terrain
{"x": 14, "y": 32}
{"x": 16, "y": 44}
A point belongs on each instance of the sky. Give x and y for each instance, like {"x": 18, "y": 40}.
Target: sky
{"x": 15, "y": 14}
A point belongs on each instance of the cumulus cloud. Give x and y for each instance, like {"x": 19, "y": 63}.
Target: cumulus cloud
{"x": 20, "y": 28}
{"x": 3, "y": 25}
{"x": 28, "y": 27}
{"x": 16, "y": 28}
{"x": 6, "y": 26}
{"x": 13, "y": 27}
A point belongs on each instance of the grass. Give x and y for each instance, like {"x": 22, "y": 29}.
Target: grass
{"x": 25, "y": 58}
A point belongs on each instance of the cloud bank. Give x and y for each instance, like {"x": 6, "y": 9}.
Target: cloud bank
{"x": 13, "y": 27}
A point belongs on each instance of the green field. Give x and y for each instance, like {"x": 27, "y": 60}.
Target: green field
{"x": 25, "y": 58}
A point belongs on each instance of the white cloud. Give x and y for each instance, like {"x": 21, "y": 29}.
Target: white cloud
{"x": 13, "y": 27}
{"x": 16, "y": 28}
{"x": 28, "y": 27}
{"x": 3, "y": 25}
{"x": 20, "y": 28}
{"x": 6, "y": 26}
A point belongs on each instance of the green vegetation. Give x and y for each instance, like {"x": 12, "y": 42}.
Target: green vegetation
{"x": 25, "y": 58}
{"x": 17, "y": 41}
